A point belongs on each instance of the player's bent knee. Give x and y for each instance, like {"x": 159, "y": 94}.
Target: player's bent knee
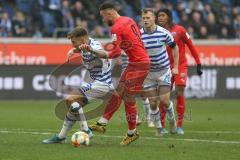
{"x": 129, "y": 98}
{"x": 165, "y": 100}
{"x": 76, "y": 98}
{"x": 180, "y": 90}
{"x": 180, "y": 93}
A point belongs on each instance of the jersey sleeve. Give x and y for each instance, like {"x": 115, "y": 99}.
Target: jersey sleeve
{"x": 170, "y": 40}
{"x": 116, "y": 42}
{"x": 187, "y": 40}
{"x": 96, "y": 45}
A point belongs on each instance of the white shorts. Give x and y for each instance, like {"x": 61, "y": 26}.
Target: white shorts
{"x": 156, "y": 79}
{"x": 95, "y": 89}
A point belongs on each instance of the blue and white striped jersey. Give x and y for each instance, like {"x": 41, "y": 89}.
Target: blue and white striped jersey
{"x": 124, "y": 60}
{"x": 99, "y": 68}
{"x": 155, "y": 44}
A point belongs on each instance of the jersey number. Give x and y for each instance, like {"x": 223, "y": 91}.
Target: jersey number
{"x": 136, "y": 33}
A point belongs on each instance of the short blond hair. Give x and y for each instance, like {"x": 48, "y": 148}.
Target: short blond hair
{"x": 77, "y": 32}
{"x": 146, "y": 10}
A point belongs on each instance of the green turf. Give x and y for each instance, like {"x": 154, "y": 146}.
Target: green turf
{"x": 213, "y": 133}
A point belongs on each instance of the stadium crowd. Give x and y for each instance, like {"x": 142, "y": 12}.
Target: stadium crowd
{"x": 203, "y": 19}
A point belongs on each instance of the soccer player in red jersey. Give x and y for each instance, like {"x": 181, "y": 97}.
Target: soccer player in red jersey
{"x": 182, "y": 38}
{"x": 126, "y": 36}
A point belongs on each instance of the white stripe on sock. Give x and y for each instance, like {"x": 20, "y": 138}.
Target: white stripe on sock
{"x": 155, "y": 118}
{"x": 130, "y": 132}
{"x": 67, "y": 125}
{"x": 83, "y": 119}
{"x": 103, "y": 120}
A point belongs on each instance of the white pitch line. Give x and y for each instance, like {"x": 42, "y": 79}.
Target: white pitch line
{"x": 146, "y": 138}
{"x": 179, "y": 139}
{"x": 188, "y": 131}
{"x": 25, "y": 132}
{"x": 110, "y": 130}
{"x": 214, "y": 132}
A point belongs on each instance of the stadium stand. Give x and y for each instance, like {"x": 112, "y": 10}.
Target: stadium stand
{"x": 204, "y": 19}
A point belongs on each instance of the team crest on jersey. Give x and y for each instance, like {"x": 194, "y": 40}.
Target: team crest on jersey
{"x": 160, "y": 42}
{"x": 114, "y": 37}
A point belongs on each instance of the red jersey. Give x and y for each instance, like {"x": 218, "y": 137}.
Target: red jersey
{"x": 127, "y": 36}
{"x": 181, "y": 38}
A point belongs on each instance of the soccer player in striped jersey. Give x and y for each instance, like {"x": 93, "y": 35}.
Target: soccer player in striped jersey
{"x": 181, "y": 37}
{"x": 157, "y": 85}
{"x": 101, "y": 83}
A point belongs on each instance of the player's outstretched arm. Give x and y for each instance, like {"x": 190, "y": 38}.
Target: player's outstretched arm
{"x": 186, "y": 38}
{"x": 195, "y": 56}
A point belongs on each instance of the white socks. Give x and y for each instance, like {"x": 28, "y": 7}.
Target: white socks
{"x": 70, "y": 120}
{"x": 146, "y": 107}
{"x": 170, "y": 112}
{"x": 155, "y": 118}
{"x": 83, "y": 119}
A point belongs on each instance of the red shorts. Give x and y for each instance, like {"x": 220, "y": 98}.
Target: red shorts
{"x": 181, "y": 78}
{"x": 134, "y": 76}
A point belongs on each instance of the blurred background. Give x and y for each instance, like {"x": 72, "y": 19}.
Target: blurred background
{"x": 204, "y": 19}
{"x": 33, "y": 42}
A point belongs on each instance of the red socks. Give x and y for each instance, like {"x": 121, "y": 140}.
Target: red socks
{"x": 131, "y": 113}
{"x": 180, "y": 110}
{"x": 112, "y": 106}
{"x": 181, "y": 106}
{"x": 130, "y": 109}
{"x": 162, "y": 110}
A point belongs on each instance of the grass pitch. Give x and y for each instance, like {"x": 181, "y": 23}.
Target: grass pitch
{"x": 212, "y": 133}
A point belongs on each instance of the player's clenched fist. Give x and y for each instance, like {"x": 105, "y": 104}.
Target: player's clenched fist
{"x": 71, "y": 52}
{"x": 84, "y": 47}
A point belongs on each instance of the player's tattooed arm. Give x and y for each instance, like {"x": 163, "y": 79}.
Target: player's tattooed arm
{"x": 99, "y": 53}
